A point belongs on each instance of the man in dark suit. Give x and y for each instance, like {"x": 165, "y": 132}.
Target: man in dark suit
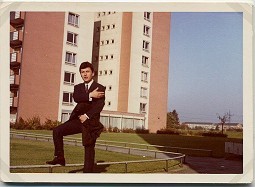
{"x": 84, "y": 119}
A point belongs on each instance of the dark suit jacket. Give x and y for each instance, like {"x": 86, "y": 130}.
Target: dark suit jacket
{"x": 92, "y": 127}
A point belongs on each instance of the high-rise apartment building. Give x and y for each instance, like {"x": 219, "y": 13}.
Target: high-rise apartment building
{"x": 130, "y": 52}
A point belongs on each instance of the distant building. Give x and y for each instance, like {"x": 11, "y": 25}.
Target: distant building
{"x": 231, "y": 125}
{"x": 204, "y": 125}
{"x": 212, "y": 126}
{"x": 130, "y": 52}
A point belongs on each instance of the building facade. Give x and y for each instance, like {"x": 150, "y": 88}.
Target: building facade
{"x": 130, "y": 52}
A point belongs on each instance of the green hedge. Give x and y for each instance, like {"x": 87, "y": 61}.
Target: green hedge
{"x": 127, "y": 130}
{"x": 214, "y": 134}
{"x": 34, "y": 123}
{"x": 168, "y": 131}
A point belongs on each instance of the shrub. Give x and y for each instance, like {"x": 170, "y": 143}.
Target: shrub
{"x": 105, "y": 129}
{"x": 50, "y": 124}
{"x": 235, "y": 130}
{"x": 142, "y": 131}
{"x": 168, "y": 131}
{"x": 34, "y": 123}
{"x": 110, "y": 129}
{"x": 214, "y": 134}
{"x": 128, "y": 130}
{"x": 115, "y": 129}
{"x": 20, "y": 124}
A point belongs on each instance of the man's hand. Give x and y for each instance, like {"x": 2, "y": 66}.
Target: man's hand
{"x": 82, "y": 118}
{"x": 96, "y": 94}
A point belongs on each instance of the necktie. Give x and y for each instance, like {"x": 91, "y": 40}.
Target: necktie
{"x": 86, "y": 88}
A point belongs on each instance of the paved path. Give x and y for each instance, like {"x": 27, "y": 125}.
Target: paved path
{"x": 209, "y": 165}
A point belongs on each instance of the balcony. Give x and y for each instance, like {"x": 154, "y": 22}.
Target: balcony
{"x": 17, "y": 19}
{"x": 16, "y": 38}
{"x": 13, "y": 104}
{"x": 15, "y": 59}
{"x": 14, "y": 82}
{"x": 14, "y": 101}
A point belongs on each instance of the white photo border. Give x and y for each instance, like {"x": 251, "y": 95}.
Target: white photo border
{"x": 248, "y": 114}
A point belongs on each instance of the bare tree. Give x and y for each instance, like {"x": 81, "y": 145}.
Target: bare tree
{"x": 223, "y": 120}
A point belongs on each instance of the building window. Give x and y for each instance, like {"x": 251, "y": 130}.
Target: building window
{"x": 143, "y": 107}
{"x": 146, "y": 30}
{"x": 101, "y": 57}
{"x": 13, "y": 57}
{"x": 113, "y": 26}
{"x": 109, "y": 103}
{"x": 14, "y": 35}
{"x": 106, "y": 57}
{"x": 73, "y": 19}
{"x": 102, "y": 43}
{"x": 146, "y": 45}
{"x": 102, "y": 29}
{"x": 70, "y": 58}
{"x": 105, "y": 72}
{"x": 144, "y": 92}
{"x": 72, "y": 38}
{"x": 145, "y": 60}
{"x": 110, "y": 88}
{"x": 103, "y": 13}
{"x": 107, "y": 27}
{"x": 110, "y": 72}
{"x": 109, "y": 12}
{"x": 144, "y": 76}
{"x": 112, "y": 41}
{"x": 69, "y": 78}
{"x": 107, "y": 41}
{"x": 100, "y": 73}
{"x": 111, "y": 56}
{"x": 65, "y": 116}
{"x": 68, "y": 98}
{"x": 98, "y": 15}
{"x": 147, "y": 16}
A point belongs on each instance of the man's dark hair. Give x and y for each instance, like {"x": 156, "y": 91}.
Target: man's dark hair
{"x": 86, "y": 65}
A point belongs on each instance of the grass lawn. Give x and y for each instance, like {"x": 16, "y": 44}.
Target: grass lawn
{"x": 216, "y": 144}
{"x": 28, "y": 152}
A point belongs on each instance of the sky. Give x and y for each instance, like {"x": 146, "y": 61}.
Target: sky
{"x": 205, "y": 70}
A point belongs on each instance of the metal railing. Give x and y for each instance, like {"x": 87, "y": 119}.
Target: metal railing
{"x": 11, "y": 101}
{"x": 143, "y": 161}
{"x": 178, "y": 149}
{"x": 17, "y": 14}
{"x": 25, "y": 135}
{"x": 14, "y": 35}
{"x": 13, "y": 57}
{"x": 50, "y": 167}
{"x": 126, "y": 144}
{"x": 77, "y": 141}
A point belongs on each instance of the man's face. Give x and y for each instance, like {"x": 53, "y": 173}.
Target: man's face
{"x": 87, "y": 74}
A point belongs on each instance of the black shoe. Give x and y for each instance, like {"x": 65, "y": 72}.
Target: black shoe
{"x": 57, "y": 160}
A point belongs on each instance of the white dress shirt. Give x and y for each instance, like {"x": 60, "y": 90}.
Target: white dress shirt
{"x": 90, "y": 98}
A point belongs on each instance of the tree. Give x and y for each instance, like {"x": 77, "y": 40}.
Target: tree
{"x": 172, "y": 119}
{"x": 217, "y": 128}
{"x": 223, "y": 120}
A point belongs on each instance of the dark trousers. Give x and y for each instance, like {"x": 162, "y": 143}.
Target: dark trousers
{"x": 89, "y": 158}
{"x": 69, "y": 128}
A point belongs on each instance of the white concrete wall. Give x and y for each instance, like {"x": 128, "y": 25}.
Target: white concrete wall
{"x": 83, "y": 51}
{"x": 110, "y": 64}
{"x": 136, "y": 66}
